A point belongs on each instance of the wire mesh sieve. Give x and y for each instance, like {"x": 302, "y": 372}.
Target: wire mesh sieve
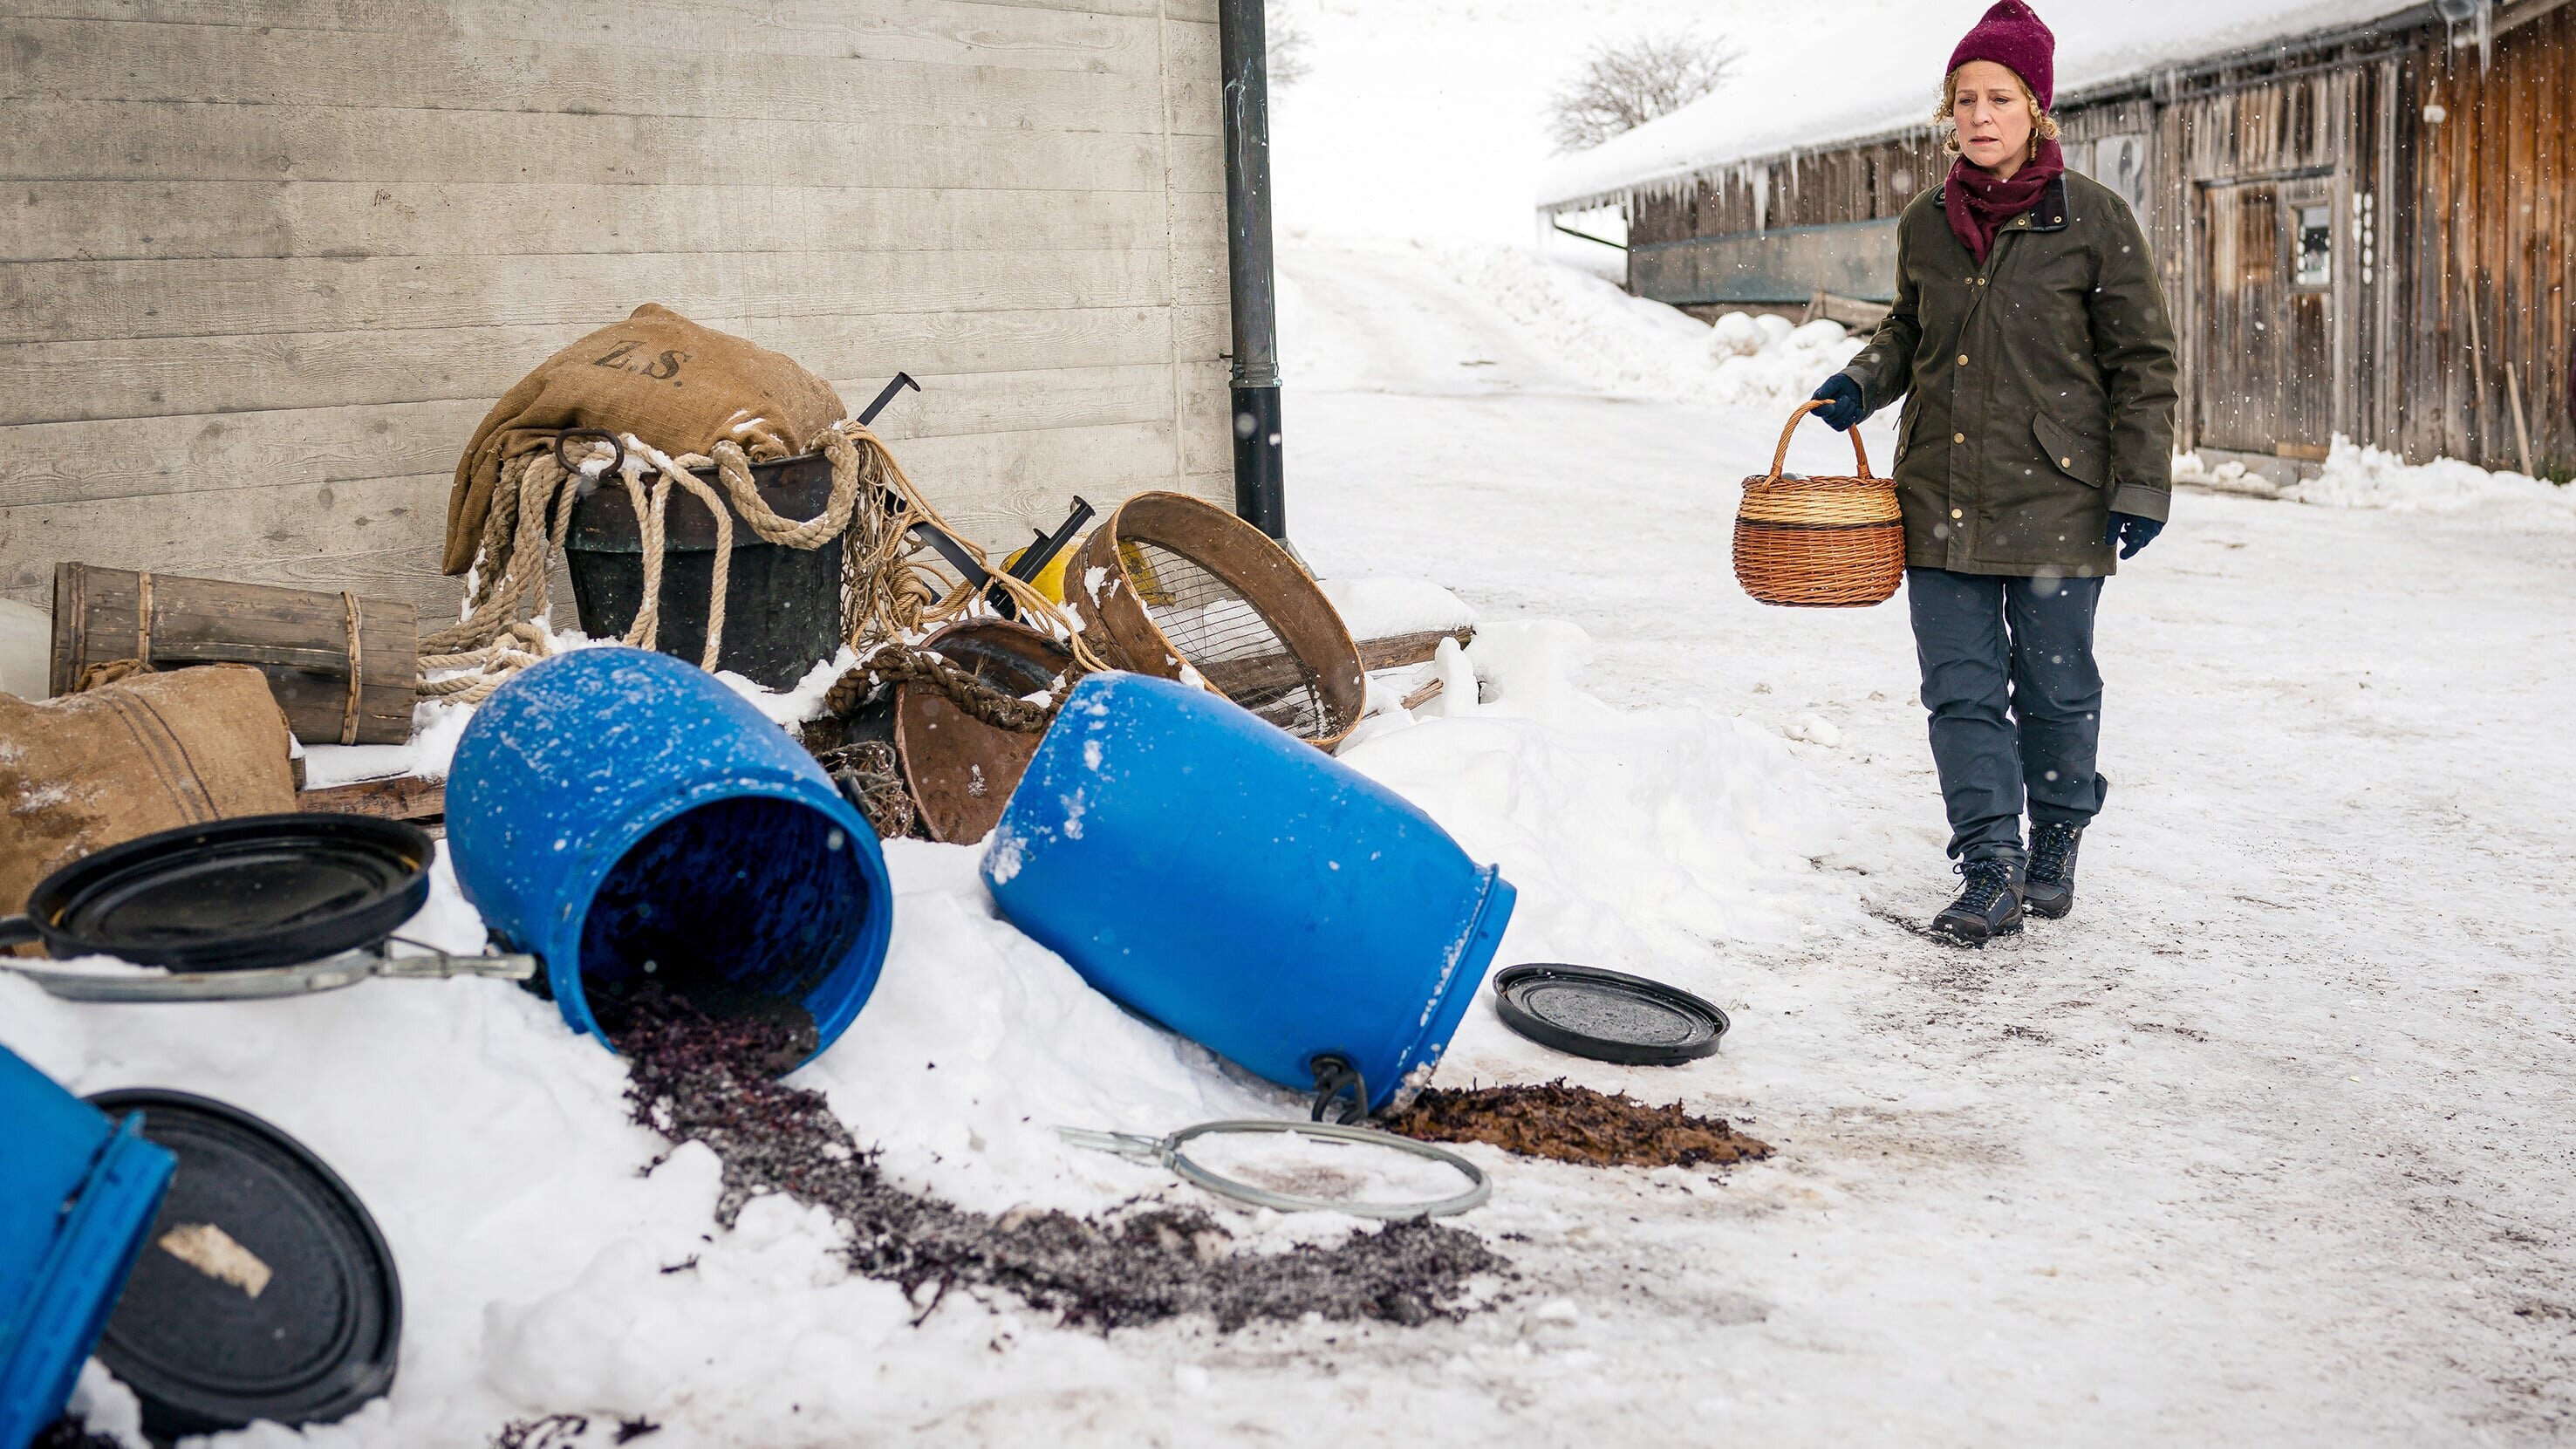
{"x": 1172, "y": 585}
{"x": 1226, "y": 638}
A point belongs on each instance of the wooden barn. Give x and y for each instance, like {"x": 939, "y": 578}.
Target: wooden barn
{"x": 267, "y": 262}
{"x": 2367, "y": 231}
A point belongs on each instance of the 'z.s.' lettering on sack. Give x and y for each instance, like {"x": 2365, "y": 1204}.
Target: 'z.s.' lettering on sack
{"x": 623, "y": 358}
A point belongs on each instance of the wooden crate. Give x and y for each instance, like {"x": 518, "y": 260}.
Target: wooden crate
{"x": 301, "y": 639}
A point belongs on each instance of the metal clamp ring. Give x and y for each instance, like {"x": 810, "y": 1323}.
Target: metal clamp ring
{"x": 1167, "y": 1151}
{"x": 616, "y": 463}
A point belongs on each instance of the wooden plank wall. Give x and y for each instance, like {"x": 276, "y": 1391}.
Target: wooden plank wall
{"x": 2492, "y": 188}
{"x": 1869, "y": 181}
{"x": 1778, "y": 266}
{"x": 1866, "y": 182}
{"x": 269, "y": 261}
{"x": 2431, "y": 218}
{"x": 2264, "y": 367}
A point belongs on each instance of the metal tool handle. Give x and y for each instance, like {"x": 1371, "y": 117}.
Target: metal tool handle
{"x": 959, "y": 556}
{"x": 431, "y": 964}
{"x": 1042, "y": 551}
{"x": 329, "y": 974}
{"x": 1123, "y": 1144}
{"x": 892, "y": 391}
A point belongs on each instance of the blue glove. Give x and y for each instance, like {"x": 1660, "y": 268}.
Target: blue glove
{"x": 2132, "y": 532}
{"x": 1842, "y": 403}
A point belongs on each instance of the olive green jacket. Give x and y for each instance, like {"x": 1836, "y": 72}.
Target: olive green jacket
{"x": 2039, "y": 390}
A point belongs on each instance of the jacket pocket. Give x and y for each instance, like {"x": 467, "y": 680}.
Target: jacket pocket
{"x": 2086, "y": 460}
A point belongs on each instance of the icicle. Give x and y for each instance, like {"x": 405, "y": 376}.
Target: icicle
{"x": 2483, "y": 12}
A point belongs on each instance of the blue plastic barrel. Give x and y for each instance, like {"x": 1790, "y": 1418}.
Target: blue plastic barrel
{"x": 77, "y": 1194}
{"x": 1242, "y": 887}
{"x": 626, "y": 817}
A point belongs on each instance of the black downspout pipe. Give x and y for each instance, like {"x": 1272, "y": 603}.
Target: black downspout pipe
{"x": 1260, "y": 489}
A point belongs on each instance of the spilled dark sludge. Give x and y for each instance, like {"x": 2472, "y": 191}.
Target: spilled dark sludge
{"x": 701, "y": 1078}
{"x": 566, "y": 1431}
{"x": 1574, "y": 1124}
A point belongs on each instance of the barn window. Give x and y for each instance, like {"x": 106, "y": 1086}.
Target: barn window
{"x": 2315, "y": 241}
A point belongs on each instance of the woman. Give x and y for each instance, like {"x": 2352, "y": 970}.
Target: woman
{"x": 2030, "y": 343}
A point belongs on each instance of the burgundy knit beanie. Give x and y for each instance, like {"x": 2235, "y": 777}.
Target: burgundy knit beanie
{"x": 2013, "y": 37}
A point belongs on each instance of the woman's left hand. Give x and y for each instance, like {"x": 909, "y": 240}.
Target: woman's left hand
{"x": 1842, "y": 403}
{"x": 2132, "y": 533}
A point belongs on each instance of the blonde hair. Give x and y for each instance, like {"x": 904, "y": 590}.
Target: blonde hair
{"x": 2043, "y": 126}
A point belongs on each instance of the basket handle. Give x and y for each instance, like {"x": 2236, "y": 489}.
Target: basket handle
{"x": 1781, "y": 455}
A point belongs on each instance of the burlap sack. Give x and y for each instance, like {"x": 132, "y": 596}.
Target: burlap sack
{"x": 678, "y": 386}
{"x": 149, "y": 752}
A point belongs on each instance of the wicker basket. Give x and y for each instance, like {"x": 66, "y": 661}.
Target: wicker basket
{"x": 1819, "y": 543}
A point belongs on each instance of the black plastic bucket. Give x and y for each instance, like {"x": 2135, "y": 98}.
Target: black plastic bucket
{"x": 782, "y": 605}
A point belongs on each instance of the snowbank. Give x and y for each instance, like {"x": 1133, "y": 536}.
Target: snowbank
{"x": 1634, "y": 837}
{"x": 552, "y": 1260}
{"x": 436, "y": 725}
{"x": 1379, "y": 608}
{"x": 1594, "y": 335}
{"x": 1632, "y": 346}
{"x": 2357, "y": 476}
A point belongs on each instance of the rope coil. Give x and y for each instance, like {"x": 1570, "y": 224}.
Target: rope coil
{"x": 349, "y": 709}
{"x": 901, "y": 663}
{"x": 889, "y": 592}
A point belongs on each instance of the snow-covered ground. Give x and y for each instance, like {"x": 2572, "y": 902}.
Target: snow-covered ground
{"x": 2270, "y": 1143}
{"x": 2267, "y": 1144}
{"x": 2356, "y": 476}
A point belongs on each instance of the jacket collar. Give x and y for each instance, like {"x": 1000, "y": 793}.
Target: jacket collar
{"x": 2050, "y": 214}
{"x": 2052, "y": 211}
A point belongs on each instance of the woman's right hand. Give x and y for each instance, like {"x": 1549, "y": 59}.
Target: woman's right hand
{"x": 1842, "y": 403}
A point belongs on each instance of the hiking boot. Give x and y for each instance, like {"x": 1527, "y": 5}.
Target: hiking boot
{"x": 2048, "y": 889}
{"x": 1989, "y": 903}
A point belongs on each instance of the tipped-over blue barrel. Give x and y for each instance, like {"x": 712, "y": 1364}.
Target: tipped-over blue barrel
{"x": 1242, "y": 887}
{"x": 631, "y": 820}
{"x": 77, "y": 1195}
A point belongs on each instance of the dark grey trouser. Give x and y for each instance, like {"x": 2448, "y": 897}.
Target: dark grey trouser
{"x": 2015, "y": 700}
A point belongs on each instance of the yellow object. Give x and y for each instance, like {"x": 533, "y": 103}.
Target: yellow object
{"x": 1050, "y": 580}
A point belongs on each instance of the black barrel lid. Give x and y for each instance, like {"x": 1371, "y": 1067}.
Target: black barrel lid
{"x": 264, "y": 1290}
{"x": 1608, "y": 1016}
{"x": 254, "y": 892}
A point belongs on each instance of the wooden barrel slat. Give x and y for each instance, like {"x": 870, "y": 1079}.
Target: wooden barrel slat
{"x": 299, "y": 638}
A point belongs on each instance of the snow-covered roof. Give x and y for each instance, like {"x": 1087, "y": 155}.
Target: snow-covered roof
{"x": 1874, "y": 66}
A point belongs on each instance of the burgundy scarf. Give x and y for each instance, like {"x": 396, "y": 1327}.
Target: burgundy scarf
{"x": 1978, "y": 205}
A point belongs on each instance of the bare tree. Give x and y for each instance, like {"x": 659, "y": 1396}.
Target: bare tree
{"x": 1624, "y": 84}
{"x": 1291, "y": 52}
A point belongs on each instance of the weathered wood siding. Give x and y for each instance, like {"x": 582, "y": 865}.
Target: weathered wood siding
{"x": 2269, "y": 365}
{"x": 1866, "y": 182}
{"x": 267, "y": 262}
{"x": 2447, "y": 176}
{"x": 2488, "y": 226}
{"x": 1783, "y": 264}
